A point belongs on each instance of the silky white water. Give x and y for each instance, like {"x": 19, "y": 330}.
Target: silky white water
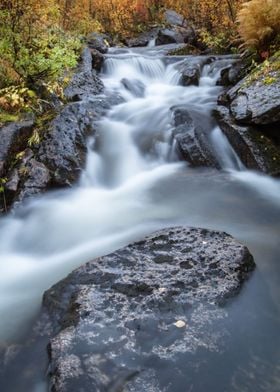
{"x": 133, "y": 184}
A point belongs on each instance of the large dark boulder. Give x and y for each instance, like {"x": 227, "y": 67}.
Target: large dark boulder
{"x": 13, "y": 139}
{"x": 254, "y": 148}
{"x": 192, "y": 141}
{"x": 122, "y": 320}
{"x": 176, "y": 35}
{"x": 249, "y": 115}
{"x": 255, "y": 99}
{"x": 142, "y": 39}
{"x": 85, "y": 81}
{"x": 64, "y": 145}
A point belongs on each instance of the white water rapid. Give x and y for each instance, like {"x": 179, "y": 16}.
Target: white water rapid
{"x": 134, "y": 184}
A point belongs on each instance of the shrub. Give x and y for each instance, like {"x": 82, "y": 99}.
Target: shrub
{"x": 259, "y": 23}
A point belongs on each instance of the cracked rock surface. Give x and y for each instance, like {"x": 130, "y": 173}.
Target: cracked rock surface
{"x": 133, "y": 319}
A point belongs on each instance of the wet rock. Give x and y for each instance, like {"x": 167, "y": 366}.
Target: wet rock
{"x": 173, "y": 18}
{"x": 98, "y": 41}
{"x": 27, "y": 179}
{"x": 251, "y": 144}
{"x": 85, "y": 81}
{"x": 120, "y": 321}
{"x": 13, "y": 138}
{"x": 143, "y": 39}
{"x": 63, "y": 148}
{"x": 193, "y": 141}
{"x": 190, "y": 75}
{"x": 256, "y": 99}
{"x": 136, "y": 87}
{"x": 97, "y": 59}
{"x": 177, "y": 35}
{"x": 232, "y": 74}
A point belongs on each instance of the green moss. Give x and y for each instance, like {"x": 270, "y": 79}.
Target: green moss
{"x": 184, "y": 51}
{"x": 269, "y": 80}
{"x": 6, "y": 117}
{"x": 268, "y": 72}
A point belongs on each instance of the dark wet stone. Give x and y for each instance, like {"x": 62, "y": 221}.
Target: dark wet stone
{"x": 232, "y": 74}
{"x": 256, "y": 100}
{"x": 176, "y": 35}
{"x": 97, "y": 59}
{"x": 85, "y": 81}
{"x": 120, "y": 320}
{"x": 63, "y": 148}
{"x": 27, "y": 178}
{"x": 13, "y": 138}
{"x": 99, "y": 41}
{"x": 193, "y": 142}
{"x": 142, "y": 39}
{"x": 251, "y": 144}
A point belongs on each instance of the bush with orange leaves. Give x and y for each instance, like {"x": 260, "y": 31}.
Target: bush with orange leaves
{"x": 259, "y": 24}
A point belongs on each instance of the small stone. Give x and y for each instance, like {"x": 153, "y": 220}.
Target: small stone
{"x": 180, "y": 324}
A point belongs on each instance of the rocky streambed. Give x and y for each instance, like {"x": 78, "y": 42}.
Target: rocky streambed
{"x": 158, "y": 314}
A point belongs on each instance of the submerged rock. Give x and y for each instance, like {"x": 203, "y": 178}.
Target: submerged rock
{"x": 135, "y": 87}
{"x": 121, "y": 320}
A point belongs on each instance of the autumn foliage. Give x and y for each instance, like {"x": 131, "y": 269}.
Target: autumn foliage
{"x": 38, "y": 39}
{"x": 259, "y": 23}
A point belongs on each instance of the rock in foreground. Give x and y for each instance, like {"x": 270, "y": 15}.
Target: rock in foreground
{"x": 122, "y": 320}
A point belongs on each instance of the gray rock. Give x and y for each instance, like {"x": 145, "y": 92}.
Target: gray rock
{"x": 122, "y": 320}
{"x": 251, "y": 144}
{"x": 190, "y": 71}
{"x": 97, "y": 59}
{"x": 142, "y": 39}
{"x": 256, "y": 102}
{"x": 232, "y": 74}
{"x": 98, "y": 41}
{"x": 173, "y": 18}
{"x": 28, "y": 178}
{"x": 63, "y": 148}
{"x": 177, "y": 35}
{"x": 85, "y": 81}
{"x": 193, "y": 142}
{"x": 13, "y": 138}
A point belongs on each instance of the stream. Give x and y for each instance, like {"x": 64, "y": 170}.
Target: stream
{"x": 134, "y": 183}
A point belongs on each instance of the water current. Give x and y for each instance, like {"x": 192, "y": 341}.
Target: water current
{"x": 134, "y": 183}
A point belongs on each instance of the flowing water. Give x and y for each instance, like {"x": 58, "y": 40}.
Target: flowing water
{"x": 134, "y": 184}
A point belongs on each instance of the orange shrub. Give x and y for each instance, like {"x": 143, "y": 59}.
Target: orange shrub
{"x": 259, "y": 23}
